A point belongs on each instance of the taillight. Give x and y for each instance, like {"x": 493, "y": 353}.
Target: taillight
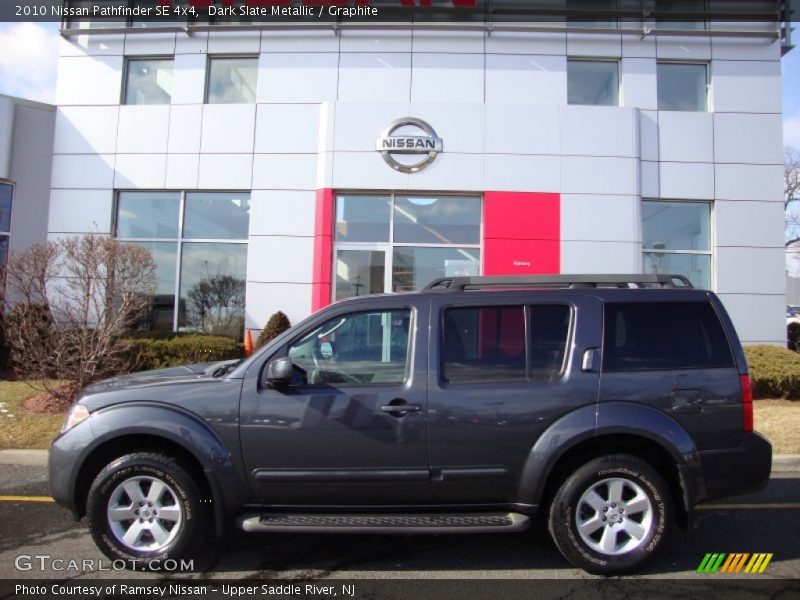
{"x": 747, "y": 402}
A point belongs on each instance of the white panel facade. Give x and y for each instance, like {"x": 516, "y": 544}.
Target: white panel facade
{"x": 143, "y": 129}
{"x": 587, "y": 217}
{"x": 80, "y": 211}
{"x": 287, "y": 128}
{"x": 498, "y": 101}
{"x": 228, "y": 128}
{"x": 293, "y": 259}
{"x": 86, "y": 130}
{"x": 526, "y": 79}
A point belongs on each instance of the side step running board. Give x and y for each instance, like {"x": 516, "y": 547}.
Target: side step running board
{"x": 380, "y": 523}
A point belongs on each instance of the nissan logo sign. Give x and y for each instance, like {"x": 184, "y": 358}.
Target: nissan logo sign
{"x": 417, "y": 138}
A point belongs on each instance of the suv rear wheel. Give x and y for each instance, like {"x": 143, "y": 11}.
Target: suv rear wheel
{"x": 611, "y": 515}
{"x": 145, "y": 507}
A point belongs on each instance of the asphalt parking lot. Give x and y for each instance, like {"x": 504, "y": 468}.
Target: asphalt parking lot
{"x": 764, "y": 522}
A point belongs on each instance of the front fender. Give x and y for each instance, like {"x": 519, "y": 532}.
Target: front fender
{"x": 608, "y": 419}
{"x": 69, "y": 452}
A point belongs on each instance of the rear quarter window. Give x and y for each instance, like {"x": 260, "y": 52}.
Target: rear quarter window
{"x": 663, "y": 335}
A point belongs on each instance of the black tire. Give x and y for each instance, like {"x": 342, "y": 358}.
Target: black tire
{"x": 563, "y": 515}
{"x": 182, "y": 492}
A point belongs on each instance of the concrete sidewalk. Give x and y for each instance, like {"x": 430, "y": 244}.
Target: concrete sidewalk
{"x": 781, "y": 463}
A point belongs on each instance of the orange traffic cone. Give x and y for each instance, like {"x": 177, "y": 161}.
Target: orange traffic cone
{"x": 248, "y": 343}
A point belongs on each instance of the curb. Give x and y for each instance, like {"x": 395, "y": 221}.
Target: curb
{"x": 781, "y": 463}
{"x": 28, "y": 458}
{"x": 786, "y": 463}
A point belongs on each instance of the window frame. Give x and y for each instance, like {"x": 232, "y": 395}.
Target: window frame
{"x": 698, "y": 63}
{"x": 528, "y": 306}
{"x": 711, "y": 237}
{"x": 212, "y": 57}
{"x": 180, "y": 240}
{"x": 598, "y": 59}
{"x": 7, "y": 234}
{"x": 125, "y": 72}
{"x": 410, "y": 350}
{"x": 389, "y": 245}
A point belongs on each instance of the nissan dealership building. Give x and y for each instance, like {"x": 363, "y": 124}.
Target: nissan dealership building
{"x": 284, "y": 168}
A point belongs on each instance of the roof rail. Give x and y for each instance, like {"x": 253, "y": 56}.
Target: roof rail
{"x": 459, "y": 284}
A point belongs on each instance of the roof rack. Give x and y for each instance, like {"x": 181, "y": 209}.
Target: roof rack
{"x": 460, "y": 284}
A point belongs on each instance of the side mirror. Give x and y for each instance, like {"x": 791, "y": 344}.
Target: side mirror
{"x": 279, "y": 373}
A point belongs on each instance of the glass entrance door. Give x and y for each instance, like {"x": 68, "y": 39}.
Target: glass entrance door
{"x": 401, "y": 242}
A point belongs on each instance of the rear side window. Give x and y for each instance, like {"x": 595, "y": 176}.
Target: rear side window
{"x": 663, "y": 335}
{"x": 488, "y": 343}
{"x": 484, "y": 343}
{"x": 548, "y": 340}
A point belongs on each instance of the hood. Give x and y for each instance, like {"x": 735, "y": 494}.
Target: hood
{"x": 155, "y": 377}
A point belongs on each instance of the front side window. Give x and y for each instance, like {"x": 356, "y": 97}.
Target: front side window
{"x": 6, "y": 194}
{"x": 355, "y": 349}
{"x": 148, "y": 81}
{"x": 201, "y": 259}
{"x": 682, "y": 86}
{"x": 400, "y": 242}
{"x": 677, "y": 239}
{"x": 593, "y": 82}
{"x": 663, "y": 335}
{"x": 232, "y": 80}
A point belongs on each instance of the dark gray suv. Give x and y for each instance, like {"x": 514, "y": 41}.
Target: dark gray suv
{"x": 611, "y": 404}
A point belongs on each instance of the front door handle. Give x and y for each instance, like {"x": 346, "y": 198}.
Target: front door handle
{"x": 400, "y": 408}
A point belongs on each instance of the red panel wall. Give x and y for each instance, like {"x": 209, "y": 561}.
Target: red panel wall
{"x": 521, "y": 233}
{"x": 323, "y": 247}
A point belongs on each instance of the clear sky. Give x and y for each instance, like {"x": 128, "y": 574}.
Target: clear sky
{"x": 28, "y": 57}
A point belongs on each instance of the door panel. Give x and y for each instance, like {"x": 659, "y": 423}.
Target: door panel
{"x": 489, "y": 402}
{"x": 341, "y": 434}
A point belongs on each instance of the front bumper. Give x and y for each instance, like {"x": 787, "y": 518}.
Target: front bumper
{"x": 735, "y": 471}
{"x": 66, "y": 457}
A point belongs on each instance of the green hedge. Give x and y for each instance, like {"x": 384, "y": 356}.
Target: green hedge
{"x": 156, "y": 353}
{"x": 774, "y": 372}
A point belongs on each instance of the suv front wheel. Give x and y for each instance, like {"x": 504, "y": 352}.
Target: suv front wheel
{"x": 611, "y": 515}
{"x": 144, "y": 508}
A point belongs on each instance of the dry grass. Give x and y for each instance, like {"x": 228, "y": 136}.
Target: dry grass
{"x": 779, "y": 421}
{"x": 20, "y": 428}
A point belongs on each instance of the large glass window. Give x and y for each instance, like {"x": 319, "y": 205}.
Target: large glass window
{"x": 677, "y": 239}
{"x": 148, "y": 81}
{"x": 663, "y": 335}
{"x": 594, "y": 82}
{"x": 354, "y": 349}
{"x": 397, "y": 243}
{"x": 682, "y": 86}
{"x": 201, "y": 260}
{"x": 232, "y": 80}
{"x": 6, "y": 193}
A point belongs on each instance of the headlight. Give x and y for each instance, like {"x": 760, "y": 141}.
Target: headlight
{"x": 76, "y": 414}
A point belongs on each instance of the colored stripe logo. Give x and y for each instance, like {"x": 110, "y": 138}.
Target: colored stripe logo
{"x": 721, "y": 562}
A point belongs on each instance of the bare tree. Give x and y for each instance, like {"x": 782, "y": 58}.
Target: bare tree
{"x": 67, "y": 304}
{"x": 791, "y": 194}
